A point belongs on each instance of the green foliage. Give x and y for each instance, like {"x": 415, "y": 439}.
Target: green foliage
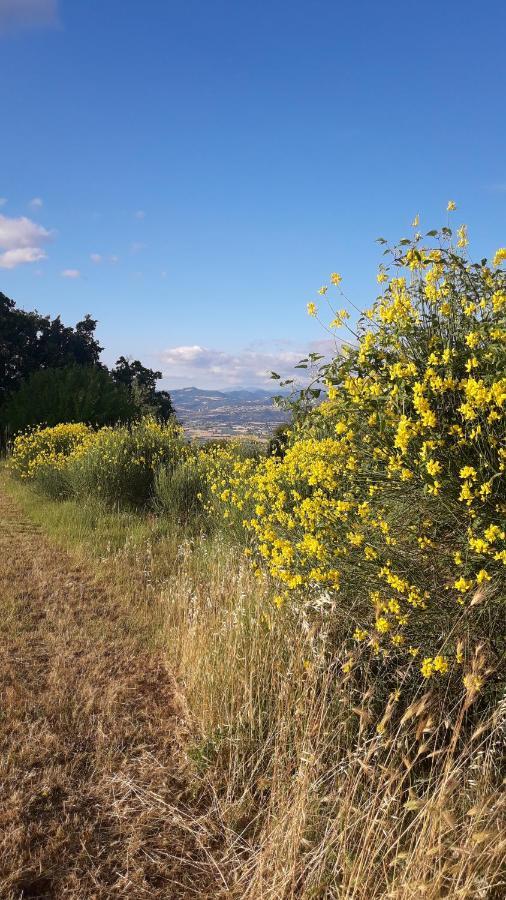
{"x": 141, "y": 385}
{"x": 30, "y": 342}
{"x": 119, "y": 465}
{"x": 74, "y": 394}
{"x": 51, "y": 373}
{"x": 181, "y": 492}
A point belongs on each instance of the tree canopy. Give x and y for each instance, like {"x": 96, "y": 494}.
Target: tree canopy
{"x": 51, "y": 372}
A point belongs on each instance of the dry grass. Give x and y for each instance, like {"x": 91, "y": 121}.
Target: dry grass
{"x": 310, "y": 800}
{"x": 323, "y": 805}
{"x": 95, "y": 796}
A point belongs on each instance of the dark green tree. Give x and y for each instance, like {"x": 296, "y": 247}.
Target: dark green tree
{"x": 32, "y": 345}
{"x": 141, "y": 382}
{"x": 71, "y": 394}
{"x": 30, "y": 342}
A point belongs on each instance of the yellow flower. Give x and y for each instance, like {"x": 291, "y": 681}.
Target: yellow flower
{"x": 312, "y": 309}
{"x": 451, "y": 206}
{"x": 427, "y": 667}
{"x": 440, "y": 664}
{"x": 339, "y": 319}
{"x": 336, "y": 278}
{"x": 323, "y": 290}
{"x": 500, "y": 256}
{"x": 433, "y": 467}
{"x": 482, "y": 576}
{"x": 381, "y": 277}
{"x": 472, "y": 683}
{"x": 414, "y": 259}
{"x": 463, "y": 239}
{"x": 462, "y": 584}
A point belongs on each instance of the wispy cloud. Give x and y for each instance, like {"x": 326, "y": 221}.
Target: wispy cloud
{"x": 12, "y": 258}
{"x": 21, "y": 241}
{"x": 251, "y": 367}
{"x": 140, "y": 214}
{"x": 27, "y": 14}
{"x": 98, "y": 258}
{"x": 137, "y": 246}
{"x": 36, "y": 203}
{"x": 499, "y": 187}
{"x": 3, "y": 201}
{"x": 70, "y": 273}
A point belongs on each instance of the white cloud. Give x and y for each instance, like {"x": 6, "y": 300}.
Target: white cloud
{"x": 36, "y": 203}
{"x": 140, "y": 214}
{"x": 114, "y": 259}
{"x": 21, "y": 241}
{"x": 70, "y": 273}
{"x": 250, "y": 367}
{"x": 96, "y": 258}
{"x": 20, "y": 232}
{"x": 12, "y": 258}
{"x": 27, "y": 13}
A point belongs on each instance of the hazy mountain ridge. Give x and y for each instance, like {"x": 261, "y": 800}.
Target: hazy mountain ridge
{"x": 236, "y": 412}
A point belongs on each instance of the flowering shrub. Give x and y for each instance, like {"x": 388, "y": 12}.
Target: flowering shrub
{"x": 116, "y": 464}
{"x": 46, "y": 447}
{"x": 389, "y": 501}
{"x": 119, "y": 464}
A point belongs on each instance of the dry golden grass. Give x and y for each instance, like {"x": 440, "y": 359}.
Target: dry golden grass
{"x": 322, "y": 804}
{"x": 95, "y": 798}
{"x": 277, "y": 785}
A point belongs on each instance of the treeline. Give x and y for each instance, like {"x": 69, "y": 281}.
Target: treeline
{"x": 52, "y": 373}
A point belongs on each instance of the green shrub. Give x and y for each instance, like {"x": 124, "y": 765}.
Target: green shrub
{"x": 181, "y": 492}
{"x": 72, "y": 394}
{"x": 119, "y": 465}
{"x": 52, "y": 481}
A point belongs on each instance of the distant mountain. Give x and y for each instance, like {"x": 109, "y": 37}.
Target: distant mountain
{"x": 209, "y": 413}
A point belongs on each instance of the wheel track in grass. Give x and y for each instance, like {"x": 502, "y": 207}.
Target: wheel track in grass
{"x": 95, "y": 798}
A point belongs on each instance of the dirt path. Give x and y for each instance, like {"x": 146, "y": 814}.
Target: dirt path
{"x": 94, "y": 801}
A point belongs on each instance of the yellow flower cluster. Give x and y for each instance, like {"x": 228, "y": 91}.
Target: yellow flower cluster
{"x": 42, "y": 447}
{"x": 118, "y": 464}
{"x": 389, "y": 499}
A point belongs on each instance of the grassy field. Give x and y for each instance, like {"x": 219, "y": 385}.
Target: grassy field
{"x": 249, "y": 772}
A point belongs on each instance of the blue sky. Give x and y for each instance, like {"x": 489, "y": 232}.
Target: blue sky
{"x": 191, "y": 172}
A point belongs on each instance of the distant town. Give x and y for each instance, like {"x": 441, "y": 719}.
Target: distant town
{"x": 208, "y": 413}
